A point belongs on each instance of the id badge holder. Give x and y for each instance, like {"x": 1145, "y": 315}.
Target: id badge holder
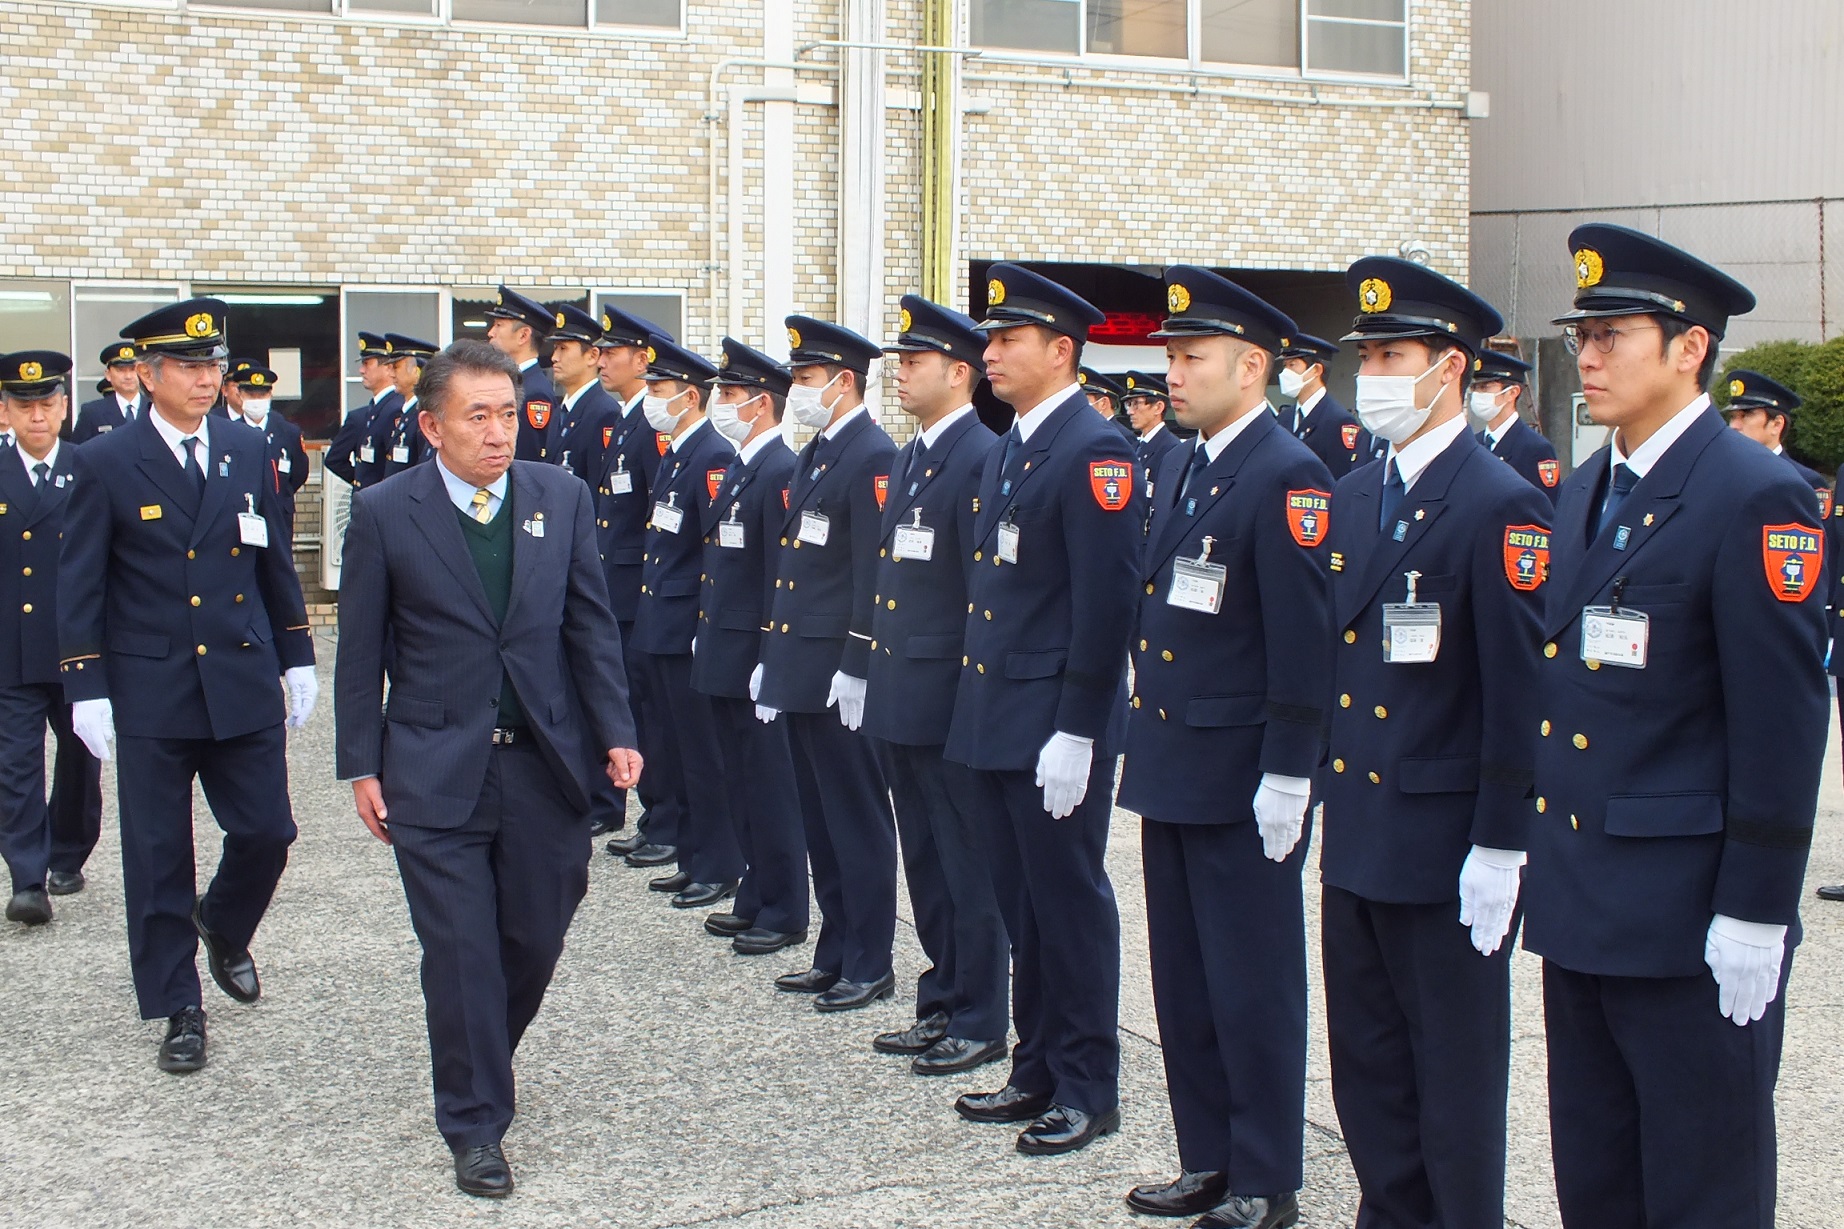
{"x": 1198, "y": 584}
{"x": 1613, "y": 636}
{"x": 252, "y": 529}
{"x": 400, "y": 455}
{"x": 815, "y": 528}
{"x": 621, "y": 482}
{"x": 1411, "y": 629}
{"x": 1008, "y": 540}
{"x": 914, "y": 540}
{"x": 285, "y": 463}
{"x": 668, "y": 517}
{"x": 730, "y": 532}
{"x": 366, "y": 454}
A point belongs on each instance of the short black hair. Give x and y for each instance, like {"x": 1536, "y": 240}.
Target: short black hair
{"x": 1671, "y": 328}
{"x": 777, "y": 403}
{"x": 474, "y": 357}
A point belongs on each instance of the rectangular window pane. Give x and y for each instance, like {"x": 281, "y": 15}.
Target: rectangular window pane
{"x": 1342, "y": 47}
{"x": 1251, "y": 32}
{"x": 525, "y": 12}
{"x": 414, "y": 313}
{"x": 101, "y": 311}
{"x": 414, "y": 8}
{"x": 293, "y": 6}
{"x": 36, "y": 316}
{"x": 661, "y": 13}
{"x": 1363, "y": 10}
{"x": 665, "y": 308}
{"x": 301, "y": 318}
{"x": 1027, "y": 25}
{"x": 1137, "y": 27}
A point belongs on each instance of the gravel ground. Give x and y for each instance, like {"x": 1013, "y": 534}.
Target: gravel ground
{"x": 666, "y": 1083}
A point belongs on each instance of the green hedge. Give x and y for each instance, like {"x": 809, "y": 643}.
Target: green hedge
{"x": 1816, "y": 373}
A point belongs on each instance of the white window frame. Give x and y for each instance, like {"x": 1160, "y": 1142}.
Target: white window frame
{"x": 182, "y": 290}
{"x": 1331, "y": 74}
{"x": 442, "y": 14}
{"x": 598, "y": 293}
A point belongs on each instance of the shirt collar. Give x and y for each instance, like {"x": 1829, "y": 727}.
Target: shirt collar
{"x": 832, "y": 432}
{"x": 173, "y": 435}
{"x": 932, "y": 435}
{"x": 754, "y": 447}
{"x": 126, "y": 404}
{"x": 1156, "y": 428}
{"x": 461, "y": 494}
{"x": 528, "y": 364}
{"x": 678, "y": 441}
{"x": 1647, "y": 454}
{"x": 569, "y": 402}
{"x": 1306, "y": 406}
{"x": 1214, "y": 446}
{"x": 1034, "y": 418}
{"x": 633, "y": 404}
{"x": 51, "y": 458}
{"x": 1415, "y": 457}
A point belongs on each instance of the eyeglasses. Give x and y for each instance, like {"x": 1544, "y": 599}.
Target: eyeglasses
{"x": 1601, "y": 336}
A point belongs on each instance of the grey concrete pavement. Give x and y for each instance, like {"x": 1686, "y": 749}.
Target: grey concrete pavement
{"x": 665, "y": 1083}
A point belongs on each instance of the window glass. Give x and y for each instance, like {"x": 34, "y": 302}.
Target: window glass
{"x": 1138, "y": 27}
{"x": 1027, "y": 25}
{"x": 524, "y": 12}
{"x": 1265, "y": 32}
{"x": 662, "y": 13}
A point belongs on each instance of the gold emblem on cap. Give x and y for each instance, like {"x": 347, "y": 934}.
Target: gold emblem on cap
{"x": 126, "y": 352}
{"x": 31, "y": 371}
{"x": 793, "y": 337}
{"x": 1588, "y": 268}
{"x": 652, "y": 355}
{"x": 1082, "y": 377}
{"x": 995, "y": 292}
{"x": 728, "y": 361}
{"x": 1286, "y": 342}
{"x": 1374, "y": 295}
{"x": 199, "y": 325}
{"x": 560, "y": 320}
{"x": 903, "y": 321}
{"x": 608, "y": 322}
{"x": 1177, "y": 298}
{"x": 258, "y": 378}
{"x": 1130, "y": 383}
{"x": 1736, "y": 388}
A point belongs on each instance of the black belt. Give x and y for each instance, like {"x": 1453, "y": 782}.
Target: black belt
{"x": 511, "y": 736}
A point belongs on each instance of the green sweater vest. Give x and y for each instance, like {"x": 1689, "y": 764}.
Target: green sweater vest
{"x": 491, "y": 546}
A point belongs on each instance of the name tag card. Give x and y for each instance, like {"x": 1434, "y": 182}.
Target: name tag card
{"x": 1008, "y": 542}
{"x": 1411, "y": 632}
{"x": 668, "y": 518}
{"x": 1198, "y": 584}
{"x": 367, "y": 454}
{"x": 252, "y": 529}
{"x": 815, "y": 527}
{"x": 730, "y": 532}
{"x": 285, "y": 463}
{"x": 621, "y": 483}
{"x": 400, "y": 455}
{"x": 914, "y": 540}
{"x": 1615, "y": 637}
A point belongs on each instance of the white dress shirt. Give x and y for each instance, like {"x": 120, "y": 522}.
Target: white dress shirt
{"x": 461, "y": 494}
{"x": 175, "y": 441}
{"x": 50, "y": 458}
{"x": 1418, "y": 454}
{"x": 930, "y": 435}
{"x": 1647, "y": 454}
{"x": 1035, "y": 417}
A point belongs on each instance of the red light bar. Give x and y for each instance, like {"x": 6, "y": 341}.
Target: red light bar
{"x": 1125, "y": 327}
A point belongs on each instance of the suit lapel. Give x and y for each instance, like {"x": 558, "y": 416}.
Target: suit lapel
{"x": 435, "y": 516}
{"x": 806, "y": 480}
{"x": 531, "y": 508}
{"x": 1416, "y": 515}
{"x": 162, "y": 467}
{"x": 932, "y": 466}
{"x": 217, "y": 477}
{"x": 16, "y": 487}
{"x": 1212, "y": 486}
{"x": 1026, "y": 461}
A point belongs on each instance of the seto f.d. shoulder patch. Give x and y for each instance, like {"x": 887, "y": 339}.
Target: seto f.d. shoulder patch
{"x": 537, "y": 414}
{"x": 1526, "y": 556}
{"x": 880, "y": 486}
{"x": 1309, "y": 515}
{"x": 1549, "y": 473}
{"x": 1348, "y": 434}
{"x": 1112, "y": 483}
{"x": 1792, "y": 555}
{"x": 713, "y": 482}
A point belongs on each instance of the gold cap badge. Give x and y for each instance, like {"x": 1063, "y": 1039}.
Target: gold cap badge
{"x": 124, "y": 354}
{"x": 995, "y": 292}
{"x": 1130, "y": 383}
{"x": 199, "y": 325}
{"x": 258, "y": 378}
{"x": 1736, "y": 388}
{"x": 560, "y": 320}
{"x": 608, "y": 322}
{"x": 903, "y": 321}
{"x": 793, "y": 337}
{"x": 1374, "y": 295}
{"x": 1082, "y": 377}
{"x": 31, "y": 371}
{"x": 1177, "y": 298}
{"x": 1588, "y": 268}
{"x": 652, "y": 355}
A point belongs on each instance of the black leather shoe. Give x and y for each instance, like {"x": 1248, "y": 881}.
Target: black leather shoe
{"x": 602, "y": 825}
{"x": 653, "y": 855}
{"x": 727, "y": 925}
{"x": 1831, "y": 891}
{"x": 678, "y": 881}
{"x": 914, "y": 1039}
{"x": 64, "y": 883}
{"x": 698, "y": 895}
{"x": 851, "y": 995}
{"x": 230, "y": 967}
{"x": 1191, "y": 1193}
{"x": 622, "y": 846}
{"x": 1009, "y": 1104}
{"x": 812, "y": 981}
{"x": 184, "y": 1047}
{"x": 32, "y": 906}
{"x": 482, "y": 1170}
{"x": 759, "y": 942}
{"x": 953, "y": 1055}
{"x": 1064, "y": 1128}
{"x": 1244, "y": 1212}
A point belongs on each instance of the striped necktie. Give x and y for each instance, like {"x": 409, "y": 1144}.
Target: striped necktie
{"x": 482, "y": 498}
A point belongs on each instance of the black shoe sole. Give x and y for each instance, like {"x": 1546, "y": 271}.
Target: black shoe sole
{"x": 964, "y": 1065}
{"x": 483, "y": 1192}
{"x": 180, "y": 1068}
{"x": 681, "y": 902}
{"x": 793, "y": 939}
{"x": 52, "y": 889}
{"x": 29, "y": 918}
{"x": 1032, "y": 1147}
{"x": 1009, "y": 1119}
{"x": 854, "y": 1004}
{"x": 1148, "y": 1210}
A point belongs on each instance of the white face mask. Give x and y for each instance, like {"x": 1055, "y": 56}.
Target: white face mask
{"x": 724, "y": 418}
{"x": 256, "y": 409}
{"x": 659, "y": 412}
{"x": 1386, "y": 404}
{"x": 806, "y": 408}
{"x": 1291, "y": 382}
{"x": 1481, "y": 409}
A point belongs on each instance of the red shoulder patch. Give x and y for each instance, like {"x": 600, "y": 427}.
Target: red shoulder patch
{"x": 1348, "y": 433}
{"x": 1824, "y": 503}
{"x": 1526, "y": 556}
{"x": 1112, "y": 483}
{"x": 881, "y": 485}
{"x": 1549, "y": 473}
{"x": 538, "y": 414}
{"x": 784, "y": 499}
{"x": 662, "y": 441}
{"x": 1309, "y": 515}
{"x": 608, "y": 433}
{"x": 1793, "y": 555}
{"x": 713, "y": 482}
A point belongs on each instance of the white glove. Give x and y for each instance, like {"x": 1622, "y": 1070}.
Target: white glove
{"x": 764, "y": 713}
{"x": 1488, "y": 894}
{"x": 94, "y": 721}
{"x": 1745, "y": 957}
{"x": 303, "y": 689}
{"x": 694, "y": 646}
{"x": 1062, "y": 771}
{"x": 848, "y": 693}
{"x": 1280, "y": 813}
{"x": 755, "y": 683}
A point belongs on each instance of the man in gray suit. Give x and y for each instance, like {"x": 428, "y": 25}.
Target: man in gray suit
{"x": 507, "y": 694}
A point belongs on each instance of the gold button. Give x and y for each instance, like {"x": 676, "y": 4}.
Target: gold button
{"x": 1350, "y": 637}
{"x": 1149, "y": 588}
{"x": 27, "y": 608}
{"x": 1542, "y": 805}
{"x": 989, "y": 616}
{"x": 1594, "y": 665}
{"x": 1344, "y": 701}
{"x": 201, "y": 650}
{"x": 27, "y": 572}
{"x": 969, "y": 607}
{"x": 964, "y": 660}
{"x": 1581, "y": 742}
{"x": 784, "y": 541}
{"x": 1338, "y": 765}
{"x": 881, "y": 552}
{"x": 1381, "y": 712}
{"x": 976, "y": 556}
{"x": 1575, "y": 823}
{"x": 890, "y": 605}
{"x": 27, "y": 535}
{"x": 1375, "y": 779}
{"x": 796, "y": 543}
{"x": 1142, "y": 646}
{"x": 1136, "y": 701}
{"x": 1162, "y": 714}
{"x": 1167, "y": 655}
{"x": 191, "y": 555}
{"x": 981, "y": 667}
{"x": 240, "y": 597}
{"x": 1544, "y": 729}
{"x": 1549, "y": 650}
{"x": 996, "y": 561}
{"x": 784, "y": 627}
{"x": 873, "y": 643}
{"x": 195, "y": 601}
{"x": 234, "y": 552}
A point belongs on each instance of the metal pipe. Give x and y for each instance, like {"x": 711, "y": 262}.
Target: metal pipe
{"x": 1068, "y": 81}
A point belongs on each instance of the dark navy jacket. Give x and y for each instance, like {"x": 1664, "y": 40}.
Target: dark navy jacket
{"x": 1221, "y": 699}
{"x": 1046, "y": 646}
{"x": 632, "y": 448}
{"x": 820, "y": 621}
{"x": 163, "y": 609}
{"x": 919, "y": 619}
{"x": 739, "y": 581}
{"x": 101, "y": 416}
{"x": 1834, "y": 573}
{"x": 671, "y": 572}
{"x": 1531, "y": 454}
{"x": 578, "y": 436}
{"x": 31, "y": 531}
{"x": 539, "y": 432}
{"x": 1686, "y": 789}
{"x": 344, "y": 456}
{"x": 1430, "y": 759}
{"x": 407, "y": 440}
{"x": 287, "y": 461}
{"x": 1331, "y": 432}
{"x": 1148, "y": 453}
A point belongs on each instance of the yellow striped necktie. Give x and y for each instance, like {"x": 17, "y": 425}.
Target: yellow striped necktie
{"x": 481, "y": 499}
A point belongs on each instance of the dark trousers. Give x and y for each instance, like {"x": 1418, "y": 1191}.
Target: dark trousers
{"x": 35, "y": 837}
{"x": 1661, "y": 1108}
{"x": 950, "y": 892}
{"x": 664, "y": 811}
{"x": 1419, "y": 1028}
{"x": 851, "y": 842}
{"x": 607, "y": 802}
{"x": 1051, "y": 879}
{"x": 490, "y": 901}
{"x": 1227, "y": 929}
{"x": 246, "y": 785}
{"x": 692, "y": 776}
{"x": 765, "y": 806}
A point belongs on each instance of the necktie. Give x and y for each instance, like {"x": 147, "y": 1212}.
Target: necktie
{"x": 41, "y": 474}
{"x": 194, "y": 470}
{"x": 481, "y": 498}
{"x": 1393, "y": 491}
{"x": 916, "y": 456}
{"x": 1620, "y": 484}
{"x": 1199, "y": 459}
{"x": 1014, "y": 440}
